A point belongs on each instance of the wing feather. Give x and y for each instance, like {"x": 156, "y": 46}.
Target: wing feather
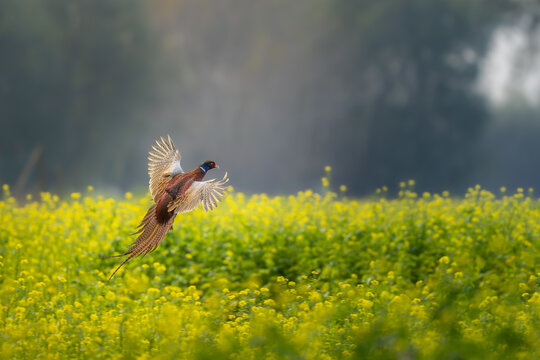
{"x": 164, "y": 163}
{"x": 208, "y": 193}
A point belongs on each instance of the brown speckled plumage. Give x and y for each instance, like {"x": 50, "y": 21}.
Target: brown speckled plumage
{"x": 173, "y": 192}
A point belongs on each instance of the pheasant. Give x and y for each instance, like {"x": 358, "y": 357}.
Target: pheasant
{"x": 173, "y": 192}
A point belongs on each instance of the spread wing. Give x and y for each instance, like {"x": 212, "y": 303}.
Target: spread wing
{"x": 208, "y": 193}
{"x": 164, "y": 164}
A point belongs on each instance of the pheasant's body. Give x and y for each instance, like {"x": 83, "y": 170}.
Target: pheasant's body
{"x": 180, "y": 183}
{"x": 173, "y": 192}
{"x": 176, "y": 187}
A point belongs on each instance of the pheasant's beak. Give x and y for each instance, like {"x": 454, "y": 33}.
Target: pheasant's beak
{"x": 217, "y": 166}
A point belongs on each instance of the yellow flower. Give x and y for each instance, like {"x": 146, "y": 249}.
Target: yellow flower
{"x": 325, "y": 182}
{"x": 153, "y": 291}
{"x": 444, "y": 260}
{"x": 250, "y": 245}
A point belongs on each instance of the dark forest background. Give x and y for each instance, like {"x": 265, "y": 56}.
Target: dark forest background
{"x": 383, "y": 91}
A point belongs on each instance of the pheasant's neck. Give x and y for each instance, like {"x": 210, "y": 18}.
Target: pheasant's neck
{"x": 199, "y": 173}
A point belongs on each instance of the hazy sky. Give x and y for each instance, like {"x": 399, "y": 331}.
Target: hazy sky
{"x": 272, "y": 96}
{"x": 512, "y": 65}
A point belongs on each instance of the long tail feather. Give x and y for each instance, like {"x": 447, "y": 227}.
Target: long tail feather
{"x": 118, "y": 268}
{"x": 150, "y": 236}
{"x": 143, "y": 247}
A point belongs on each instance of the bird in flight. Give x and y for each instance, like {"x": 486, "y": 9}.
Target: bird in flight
{"x": 173, "y": 191}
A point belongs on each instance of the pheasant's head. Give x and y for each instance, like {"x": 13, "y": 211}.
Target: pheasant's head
{"x": 207, "y": 165}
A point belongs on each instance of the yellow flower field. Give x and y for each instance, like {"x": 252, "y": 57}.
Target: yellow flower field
{"x": 303, "y": 277}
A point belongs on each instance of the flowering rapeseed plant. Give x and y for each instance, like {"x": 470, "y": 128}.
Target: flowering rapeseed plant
{"x": 304, "y": 276}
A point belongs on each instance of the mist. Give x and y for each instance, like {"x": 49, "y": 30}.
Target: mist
{"x": 272, "y": 91}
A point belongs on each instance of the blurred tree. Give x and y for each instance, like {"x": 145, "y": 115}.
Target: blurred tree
{"x": 73, "y": 76}
{"x": 381, "y": 90}
{"x": 510, "y": 144}
{"x": 274, "y": 90}
{"x": 409, "y": 67}
{"x": 511, "y": 148}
